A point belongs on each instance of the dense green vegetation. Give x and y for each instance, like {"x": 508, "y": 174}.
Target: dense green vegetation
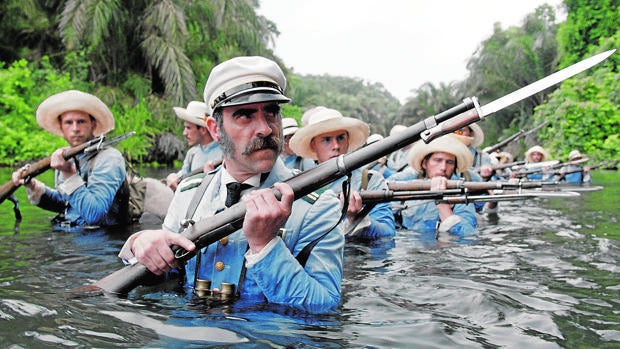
{"x": 144, "y": 57}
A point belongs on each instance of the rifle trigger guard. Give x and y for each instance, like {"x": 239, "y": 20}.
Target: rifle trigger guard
{"x": 98, "y": 147}
{"x": 180, "y": 253}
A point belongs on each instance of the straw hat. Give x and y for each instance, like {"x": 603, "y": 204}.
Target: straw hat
{"x": 52, "y": 107}
{"x": 244, "y": 80}
{"x": 505, "y": 155}
{"x": 397, "y": 129}
{"x": 474, "y": 141}
{"x": 576, "y": 156}
{"x": 308, "y": 114}
{"x": 444, "y": 144}
{"x": 194, "y": 113}
{"x": 375, "y": 137}
{"x": 326, "y": 120}
{"x": 536, "y": 149}
{"x": 289, "y": 126}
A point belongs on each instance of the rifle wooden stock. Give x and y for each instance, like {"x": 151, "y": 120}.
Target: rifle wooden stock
{"x": 514, "y": 137}
{"x": 43, "y": 165}
{"x": 593, "y": 167}
{"x": 507, "y": 165}
{"x": 455, "y": 196}
{"x": 551, "y": 168}
{"x": 504, "y": 142}
{"x": 208, "y": 231}
{"x": 421, "y": 184}
{"x": 216, "y": 163}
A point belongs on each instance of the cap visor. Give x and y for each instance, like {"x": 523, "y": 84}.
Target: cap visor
{"x": 251, "y": 97}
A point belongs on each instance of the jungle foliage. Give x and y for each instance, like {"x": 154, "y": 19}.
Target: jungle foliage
{"x": 144, "y": 57}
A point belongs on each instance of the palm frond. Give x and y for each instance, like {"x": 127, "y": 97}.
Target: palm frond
{"x": 173, "y": 67}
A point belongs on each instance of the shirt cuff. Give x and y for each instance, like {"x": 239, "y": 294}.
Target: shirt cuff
{"x": 126, "y": 254}
{"x": 34, "y": 194}
{"x": 252, "y": 259}
{"x": 361, "y": 226}
{"x": 70, "y": 185}
{"x": 448, "y": 223}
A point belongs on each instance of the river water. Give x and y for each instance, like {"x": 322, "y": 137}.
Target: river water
{"x": 543, "y": 274}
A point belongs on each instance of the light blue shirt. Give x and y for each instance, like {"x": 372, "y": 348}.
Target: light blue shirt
{"x": 382, "y": 222}
{"x": 278, "y": 277}
{"x": 198, "y": 155}
{"x": 576, "y": 177}
{"x": 297, "y": 162}
{"x": 422, "y": 215}
{"x": 94, "y": 198}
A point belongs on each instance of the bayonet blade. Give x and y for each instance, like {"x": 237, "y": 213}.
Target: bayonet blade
{"x": 542, "y": 84}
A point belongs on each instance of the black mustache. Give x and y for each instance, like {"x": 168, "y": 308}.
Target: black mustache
{"x": 257, "y": 144}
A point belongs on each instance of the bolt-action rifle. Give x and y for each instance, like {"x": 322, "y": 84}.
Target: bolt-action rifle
{"x": 515, "y": 137}
{"x": 469, "y": 186}
{"x": 457, "y": 196}
{"x": 553, "y": 169}
{"x": 207, "y": 231}
{"x": 33, "y": 170}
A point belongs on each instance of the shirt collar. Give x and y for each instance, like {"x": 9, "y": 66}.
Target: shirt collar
{"x": 254, "y": 181}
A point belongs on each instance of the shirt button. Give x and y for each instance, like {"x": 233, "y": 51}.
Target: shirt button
{"x": 224, "y": 241}
{"x": 219, "y": 266}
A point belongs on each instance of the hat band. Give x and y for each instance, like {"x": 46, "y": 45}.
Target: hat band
{"x": 235, "y": 90}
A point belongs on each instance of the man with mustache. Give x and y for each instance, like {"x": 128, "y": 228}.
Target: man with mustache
{"x": 265, "y": 260}
{"x": 89, "y": 189}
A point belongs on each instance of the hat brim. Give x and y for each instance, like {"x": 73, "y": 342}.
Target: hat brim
{"x": 289, "y": 131}
{"x": 537, "y": 149}
{"x": 51, "y": 108}
{"x": 253, "y": 95}
{"x": 445, "y": 144}
{"x": 357, "y": 129}
{"x": 578, "y": 160}
{"x": 183, "y": 114}
{"x": 478, "y": 135}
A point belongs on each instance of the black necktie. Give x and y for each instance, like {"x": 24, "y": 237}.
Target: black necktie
{"x": 233, "y": 192}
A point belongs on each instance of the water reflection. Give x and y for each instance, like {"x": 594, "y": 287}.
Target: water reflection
{"x": 543, "y": 273}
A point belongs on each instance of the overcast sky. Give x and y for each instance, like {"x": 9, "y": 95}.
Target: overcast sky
{"x": 399, "y": 43}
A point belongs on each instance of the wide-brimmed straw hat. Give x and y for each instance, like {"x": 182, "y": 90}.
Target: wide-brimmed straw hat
{"x": 308, "y": 113}
{"x": 505, "y": 155}
{"x": 474, "y": 141}
{"x": 244, "y": 80}
{"x": 396, "y": 129}
{"x": 72, "y": 100}
{"x": 444, "y": 144}
{"x": 536, "y": 149}
{"x": 576, "y": 156}
{"x": 194, "y": 113}
{"x": 289, "y": 126}
{"x": 375, "y": 137}
{"x": 325, "y": 120}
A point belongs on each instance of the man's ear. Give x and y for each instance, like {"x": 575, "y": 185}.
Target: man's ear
{"x": 213, "y": 129}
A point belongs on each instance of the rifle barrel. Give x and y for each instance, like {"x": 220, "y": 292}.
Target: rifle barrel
{"x": 421, "y": 184}
{"x": 43, "y": 165}
{"x": 207, "y": 231}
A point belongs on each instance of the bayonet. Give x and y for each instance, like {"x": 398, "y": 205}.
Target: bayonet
{"x": 479, "y": 112}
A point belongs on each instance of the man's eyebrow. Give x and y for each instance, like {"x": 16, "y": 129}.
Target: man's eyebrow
{"x": 272, "y": 108}
{"x": 245, "y": 111}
